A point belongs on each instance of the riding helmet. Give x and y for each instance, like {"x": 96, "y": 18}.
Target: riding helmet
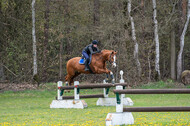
{"x": 95, "y": 42}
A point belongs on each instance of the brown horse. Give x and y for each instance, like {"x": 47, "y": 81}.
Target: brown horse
{"x": 97, "y": 65}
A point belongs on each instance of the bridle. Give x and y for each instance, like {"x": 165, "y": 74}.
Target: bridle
{"x": 114, "y": 59}
{"x": 110, "y": 58}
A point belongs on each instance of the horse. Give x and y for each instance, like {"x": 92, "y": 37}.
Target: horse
{"x": 97, "y": 65}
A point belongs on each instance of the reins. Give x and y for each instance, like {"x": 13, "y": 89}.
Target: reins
{"x": 101, "y": 57}
{"x": 110, "y": 57}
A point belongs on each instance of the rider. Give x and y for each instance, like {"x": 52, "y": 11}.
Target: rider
{"x": 88, "y": 51}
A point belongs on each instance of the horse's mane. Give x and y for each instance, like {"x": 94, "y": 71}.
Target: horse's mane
{"x": 103, "y": 51}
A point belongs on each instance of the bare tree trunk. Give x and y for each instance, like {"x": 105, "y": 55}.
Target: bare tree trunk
{"x": 66, "y": 27}
{"x": 46, "y": 35}
{"x": 60, "y": 60}
{"x": 34, "y": 39}
{"x": 183, "y": 18}
{"x": 184, "y": 10}
{"x": 96, "y": 19}
{"x": 136, "y": 50}
{"x": 149, "y": 67}
{"x": 173, "y": 55}
{"x": 143, "y": 23}
{"x": 156, "y": 38}
{"x": 179, "y": 60}
{"x": 96, "y": 12}
{"x": 2, "y": 76}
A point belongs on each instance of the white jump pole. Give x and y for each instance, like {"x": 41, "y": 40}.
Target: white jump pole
{"x": 121, "y": 80}
{"x": 119, "y": 117}
{"x": 119, "y": 104}
{"x": 104, "y": 89}
{"x": 59, "y": 84}
{"x": 76, "y": 93}
{"x": 68, "y": 103}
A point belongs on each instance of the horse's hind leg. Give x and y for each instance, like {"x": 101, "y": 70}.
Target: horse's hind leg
{"x": 67, "y": 79}
{"x": 72, "y": 79}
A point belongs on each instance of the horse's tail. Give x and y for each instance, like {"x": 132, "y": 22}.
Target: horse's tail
{"x": 66, "y": 77}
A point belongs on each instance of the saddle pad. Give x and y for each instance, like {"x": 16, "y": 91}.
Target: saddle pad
{"x": 81, "y": 61}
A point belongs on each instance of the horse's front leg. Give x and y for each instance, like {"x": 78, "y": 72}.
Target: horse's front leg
{"x": 111, "y": 74}
{"x": 107, "y": 78}
{"x": 100, "y": 71}
{"x": 112, "y": 77}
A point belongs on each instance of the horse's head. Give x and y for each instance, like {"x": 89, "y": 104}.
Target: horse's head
{"x": 111, "y": 57}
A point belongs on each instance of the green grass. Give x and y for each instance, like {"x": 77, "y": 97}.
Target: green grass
{"x": 31, "y": 107}
{"x": 161, "y": 85}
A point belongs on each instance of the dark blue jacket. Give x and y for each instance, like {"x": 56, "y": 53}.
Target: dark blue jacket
{"x": 89, "y": 49}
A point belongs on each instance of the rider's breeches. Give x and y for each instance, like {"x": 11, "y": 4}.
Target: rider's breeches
{"x": 85, "y": 55}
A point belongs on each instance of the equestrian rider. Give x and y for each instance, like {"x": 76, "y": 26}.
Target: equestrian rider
{"x": 88, "y": 51}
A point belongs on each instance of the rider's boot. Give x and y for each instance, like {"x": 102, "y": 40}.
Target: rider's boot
{"x": 86, "y": 65}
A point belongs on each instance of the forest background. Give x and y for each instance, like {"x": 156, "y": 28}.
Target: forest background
{"x": 64, "y": 27}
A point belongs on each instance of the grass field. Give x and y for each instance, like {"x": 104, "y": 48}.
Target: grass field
{"x": 31, "y": 107}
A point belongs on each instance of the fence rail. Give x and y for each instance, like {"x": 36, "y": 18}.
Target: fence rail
{"x": 153, "y": 91}
{"x": 156, "y": 109}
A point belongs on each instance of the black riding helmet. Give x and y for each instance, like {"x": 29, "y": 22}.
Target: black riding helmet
{"x": 95, "y": 42}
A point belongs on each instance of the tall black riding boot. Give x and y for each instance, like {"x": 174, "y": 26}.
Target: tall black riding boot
{"x": 86, "y": 65}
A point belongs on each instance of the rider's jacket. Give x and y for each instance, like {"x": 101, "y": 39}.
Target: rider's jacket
{"x": 89, "y": 49}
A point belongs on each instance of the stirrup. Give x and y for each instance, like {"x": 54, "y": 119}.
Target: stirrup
{"x": 86, "y": 69}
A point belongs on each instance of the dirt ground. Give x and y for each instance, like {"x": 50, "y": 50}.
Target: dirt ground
{"x": 28, "y": 86}
{"x": 16, "y": 87}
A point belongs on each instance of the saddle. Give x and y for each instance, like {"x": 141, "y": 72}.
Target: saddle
{"x": 83, "y": 60}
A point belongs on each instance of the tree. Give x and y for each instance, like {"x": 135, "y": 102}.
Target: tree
{"x": 156, "y": 38}
{"x": 179, "y": 60}
{"x": 173, "y": 55}
{"x": 34, "y": 39}
{"x": 136, "y": 49}
{"x": 105, "y": 20}
{"x": 46, "y": 36}
{"x": 61, "y": 59}
{"x": 96, "y": 12}
{"x": 2, "y": 77}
